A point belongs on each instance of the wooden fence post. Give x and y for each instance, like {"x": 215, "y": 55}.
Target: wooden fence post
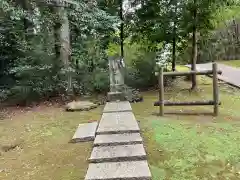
{"x": 215, "y": 89}
{"x": 161, "y": 92}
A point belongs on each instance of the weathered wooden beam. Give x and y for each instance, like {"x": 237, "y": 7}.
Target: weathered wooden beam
{"x": 215, "y": 90}
{"x": 205, "y": 72}
{"x": 161, "y": 92}
{"x": 193, "y": 103}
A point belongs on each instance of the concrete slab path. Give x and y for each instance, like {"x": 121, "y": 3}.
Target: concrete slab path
{"x": 118, "y": 152}
{"x": 85, "y": 132}
{"x": 117, "y": 139}
{"x": 117, "y": 123}
{"x": 121, "y": 106}
{"x": 131, "y": 170}
{"x": 230, "y": 75}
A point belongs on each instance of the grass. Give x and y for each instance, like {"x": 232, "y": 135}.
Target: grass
{"x": 233, "y": 63}
{"x": 42, "y": 151}
{"x": 182, "y": 68}
{"x": 188, "y": 143}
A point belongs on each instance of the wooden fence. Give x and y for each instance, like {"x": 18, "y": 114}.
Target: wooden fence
{"x": 215, "y": 102}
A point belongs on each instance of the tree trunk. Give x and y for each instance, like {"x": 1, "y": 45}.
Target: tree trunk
{"x": 121, "y": 29}
{"x": 62, "y": 44}
{"x": 174, "y": 52}
{"x": 194, "y": 48}
{"x": 174, "y": 39}
{"x": 65, "y": 49}
{"x": 57, "y": 46}
{"x": 238, "y": 42}
{"x": 28, "y": 26}
{"x": 236, "y": 39}
{"x": 57, "y": 31}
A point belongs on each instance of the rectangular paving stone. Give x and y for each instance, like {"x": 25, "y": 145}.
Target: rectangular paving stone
{"x": 132, "y": 170}
{"x": 121, "y": 106}
{"x": 118, "y": 153}
{"x": 117, "y": 139}
{"x": 116, "y": 123}
{"x": 85, "y": 132}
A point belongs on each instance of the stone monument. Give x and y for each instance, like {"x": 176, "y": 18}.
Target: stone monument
{"x": 118, "y": 89}
{"x": 116, "y": 69}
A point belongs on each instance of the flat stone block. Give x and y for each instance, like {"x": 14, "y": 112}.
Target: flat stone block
{"x": 85, "y": 132}
{"x": 117, "y": 139}
{"x": 131, "y": 170}
{"x": 118, "y": 123}
{"x": 118, "y": 153}
{"x": 80, "y": 106}
{"x": 121, "y": 106}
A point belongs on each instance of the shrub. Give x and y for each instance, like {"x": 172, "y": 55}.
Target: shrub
{"x": 141, "y": 72}
{"x": 101, "y": 80}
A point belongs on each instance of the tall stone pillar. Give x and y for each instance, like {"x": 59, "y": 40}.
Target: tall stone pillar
{"x": 116, "y": 79}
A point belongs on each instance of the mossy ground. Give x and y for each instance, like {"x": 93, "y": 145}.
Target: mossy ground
{"x": 43, "y": 151}
{"x": 187, "y": 143}
{"x": 234, "y": 63}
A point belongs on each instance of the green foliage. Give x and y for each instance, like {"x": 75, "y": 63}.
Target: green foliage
{"x": 31, "y": 68}
{"x": 91, "y": 63}
{"x": 222, "y": 43}
{"x": 113, "y": 49}
{"x": 141, "y": 63}
{"x": 217, "y": 35}
{"x": 169, "y": 21}
{"x": 31, "y": 65}
{"x": 101, "y": 80}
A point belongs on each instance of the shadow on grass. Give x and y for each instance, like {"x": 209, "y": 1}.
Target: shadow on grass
{"x": 190, "y": 113}
{"x": 186, "y": 113}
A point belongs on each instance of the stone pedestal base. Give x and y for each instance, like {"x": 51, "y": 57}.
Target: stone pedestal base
{"x": 114, "y": 96}
{"x": 117, "y": 88}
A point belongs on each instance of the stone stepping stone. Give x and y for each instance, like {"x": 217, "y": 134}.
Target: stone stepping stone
{"x": 80, "y": 106}
{"x": 119, "y": 171}
{"x": 117, "y": 139}
{"x": 85, "y": 132}
{"x": 117, "y": 123}
{"x": 121, "y": 106}
{"x": 118, "y": 153}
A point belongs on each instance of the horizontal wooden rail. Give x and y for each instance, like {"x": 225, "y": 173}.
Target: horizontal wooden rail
{"x": 193, "y": 103}
{"x": 205, "y": 72}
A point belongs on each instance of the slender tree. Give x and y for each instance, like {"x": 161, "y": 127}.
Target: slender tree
{"x": 174, "y": 35}
{"x": 194, "y": 44}
{"x": 198, "y": 16}
{"x": 121, "y": 29}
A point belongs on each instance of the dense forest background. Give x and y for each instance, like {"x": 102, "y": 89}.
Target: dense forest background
{"x": 57, "y": 48}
